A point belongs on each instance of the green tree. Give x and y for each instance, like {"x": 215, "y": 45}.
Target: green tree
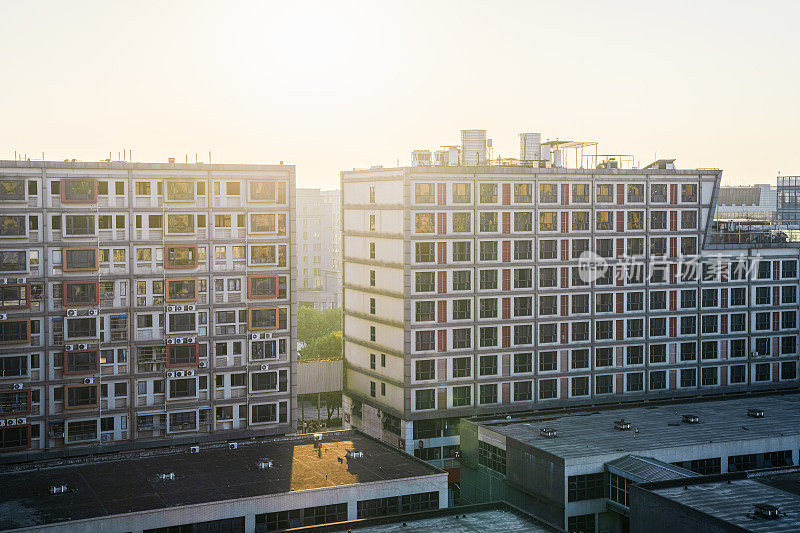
{"x": 327, "y": 348}
{"x": 313, "y": 324}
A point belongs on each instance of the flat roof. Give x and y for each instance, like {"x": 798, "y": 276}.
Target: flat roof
{"x": 733, "y": 500}
{"x": 647, "y": 469}
{"x": 135, "y": 165}
{"x": 111, "y": 484}
{"x": 497, "y": 520}
{"x": 655, "y": 427}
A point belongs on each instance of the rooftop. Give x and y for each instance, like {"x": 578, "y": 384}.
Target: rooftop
{"x": 655, "y": 427}
{"x": 476, "y": 522}
{"x": 647, "y": 469}
{"x": 127, "y": 165}
{"x": 731, "y": 498}
{"x": 95, "y": 486}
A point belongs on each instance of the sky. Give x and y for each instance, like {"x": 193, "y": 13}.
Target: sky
{"x": 331, "y": 85}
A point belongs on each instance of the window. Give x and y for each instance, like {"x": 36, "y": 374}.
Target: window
{"x": 182, "y": 388}
{"x": 635, "y": 328}
{"x": 425, "y": 223}
{"x": 180, "y": 257}
{"x": 80, "y": 293}
{"x": 461, "y": 367}
{"x": 462, "y": 338}
{"x": 81, "y": 396}
{"x": 580, "y": 359}
{"x": 79, "y": 190}
{"x": 461, "y": 251}
{"x": 79, "y": 225}
{"x": 461, "y": 222}
{"x": 425, "y": 399}
{"x": 636, "y": 193}
{"x": 425, "y": 252}
{"x": 488, "y": 250}
{"x": 488, "y": 336}
{"x": 424, "y": 193}
{"x": 688, "y": 298}
{"x": 523, "y": 221}
{"x": 603, "y": 384}
{"x": 523, "y": 193}
{"x": 425, "y": 311}
{"x": 586, "y": 487}
{"x": 605, "y": 193}
{"x": 425, "y": 370}
{"x": 689, "y": 325}
{"x": 548, "y": 193}
{"x": 488, "y": 308}
{"x": 488, "y": 222}
{"x": 180, "y": 223}
{"x": 580, "y": 193}
{"x": 461, "y": 280}
{"x": 426, "y": 340}
{"x": 488, "y": 365}
{"x": 523, "y": 250}
{"x": 523, "y": 363}
{"x": 462, "y": 396}
{"x": 548, "y": 333}
{"x": 709, "y": 376}
{"x": 488, "y": 279}
{"x": 548, "y": 389}
{"x": 688, "y": 220}
{"x": 461, "y": 193}
{"x": 182, "y": 355}
{"x": 580, "y": 331}
{"x": 605, "y": 247}
{"x": 635, "y": 220}
{"x": 181, "y": 290}
{"x": 462, "y": 309}
{"x": 488, "y": 193}
{"x": 548, "y": 249}
{"x": 788, "y": 269}
{"x": 658, "y": 327}
{"x": 634, "y": 382}
{"x": 605, "y": 220}
{"x": 738, "y": 374}
{"x": 81, "y": 327}
{"x": 548, "y": 305}
{"x": 13, "y": 190}
{"x": 488, "y": 393}
{"x": 547, "y": 221}
{"x": 658, "y": 380}
{"x": 180, "y": 322}
{"x": 425, "y": 281}
{"x": 688, "y": 192}
{"x": 580, "y": 304}
{"x": 580, "y": 221}
{"x": 580, "y": 386}
{"x": 634, "y": 355}
{"x": 523, "y": 391}
{"x": 658, "y": 193}
{"x": 548, "y": 361}
{"x": 81, "y": 362}
{"x": 604, "y": 329}
{"x": 658, "y": 353}
{"x": 13, "y": 225}
{"x": 547, "y": 277}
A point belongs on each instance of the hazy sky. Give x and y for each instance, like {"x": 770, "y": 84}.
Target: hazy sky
{"x": 335, "y": 85}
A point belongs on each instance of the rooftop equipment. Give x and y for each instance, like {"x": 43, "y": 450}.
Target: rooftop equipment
{"x": 690, "y": 419}
{"x": 622, "y": 425}
{"x": 473, "y": 147}
{"x": 755, "y": 413}
{"x": 548, "y": 433}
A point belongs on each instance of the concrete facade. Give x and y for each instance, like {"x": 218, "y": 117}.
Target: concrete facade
{"x": 145, "y": 301}
{"x": 464, "y": 295}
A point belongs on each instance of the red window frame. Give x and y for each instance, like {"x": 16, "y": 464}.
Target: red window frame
{"x": 64, "y": 199}
{"x": 64, "y": 293}
{"x": 179, "y": 267}
{"x": 178, "y": 300}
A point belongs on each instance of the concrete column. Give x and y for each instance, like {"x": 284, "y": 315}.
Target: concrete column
{"x": 352, "y": 511}
{"x": 250, "y": 522}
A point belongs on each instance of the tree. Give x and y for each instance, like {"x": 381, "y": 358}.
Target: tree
{"x": 313, "y": 324}
{"x": 327, "y": 348}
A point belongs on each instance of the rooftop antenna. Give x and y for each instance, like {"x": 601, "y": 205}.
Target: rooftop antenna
{"x": 209, "y": 157}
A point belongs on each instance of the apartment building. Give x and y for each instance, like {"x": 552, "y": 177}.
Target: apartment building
{"x": 144, "y": 301}
{"x": 319, "y": 238}
{"x": 467, "y": 291}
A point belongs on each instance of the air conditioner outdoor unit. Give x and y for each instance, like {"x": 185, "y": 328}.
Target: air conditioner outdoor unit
{"x": 3, "y": 316}
{"x": 170, "y": 341}
{"x": 22, "y": 280}
{"x": 72, "y": 312}
{"x": 267, "y": 335}
{"x": 88, "y": 381}
{"x": 254, "y": 335}
{"x": 83, "y": 346}
{"x": 19, "y": 386}
{"x": 264, "y": 367}
{"x": 190, "y": 372}
{"x": 318, "y": 437}
{"x": 190, "y": 308}
{"x": 263, "y": 336}
{"x": 3, "y": 281}
{"x": 170, "y": 308}
{"x": 170, "y": 374}
{"x": 69, "y": 347}
{"x": 22, "y": 421}
{"x": 233, "y": 445}
{"x": 263, "y": 464}
{"x": 179, "y": 374}
{"x": 179, "y": 341}
{"x": 194, "y": 449}
{"x": 179, "y": 308}
{"x": 93, "y": 312}
{"x": 202, "y": 364}
{"x": 2, "y": 422}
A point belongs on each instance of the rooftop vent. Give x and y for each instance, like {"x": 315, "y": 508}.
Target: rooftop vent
{"x": 548, "y": 433}
{"x": 690, "y": 419}
{"x": 58, "y": 489}
{"x": 167, "y": 477}
{"x": 767, "y": 511}
{"x": 354, "y": 455}
{"x": 264, "y": 464}
{"x": 622, "y": 425}
{"x": 233, "y": 445}
{"x": 755, "y": 413}
{"x": 194, "y": 449}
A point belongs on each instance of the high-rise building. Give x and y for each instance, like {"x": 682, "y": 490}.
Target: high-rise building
{"x": 144, "y": 301}
{"x": 319, "y": 238}
{"x": 523, "y": 285}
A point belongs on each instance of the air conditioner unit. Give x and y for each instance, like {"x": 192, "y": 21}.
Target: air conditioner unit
{"x": 170, "y": 374}
{"x": 22, "y": 421}
{"x": 233, "y": 445}
{"x": 263, "y": 464}
{"x": 254, "y": 335}
{"x": 264, "y": 367}
{"x": 263, "y": 336}
{"x": 170, "y": 341}
{"x": 267, "y": 335}
{"x": 2, "y": 422}
{"x": 88, "y": 381}
{"x": 69, "y": 347}
{"x": 3, "y": 281}
{"x": 179, "y": 373}
{"x": 93, "y": 312}
{"x": 318, "y": 437}
{"x": 179, "y": 308}
{"x": 170, "y": 308}
{"x": 179, "y": 341}
{"x": 194, "y": 449}
{"x": 19, "y": 386}
{"x": 3, "y": 316}
{"x": 189, "y": 340}
{"x": 190, "y": 372}
{"x": 190, "y": 307}
{"x": 202, "y": 364}
{"x": 22, "y": 280}
{"x": 72, "y": 312}
{"x": 83, "y": 346}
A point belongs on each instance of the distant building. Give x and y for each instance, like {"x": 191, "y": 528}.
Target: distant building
{"x": 263, "y": 485}
{"x": 750, "y": 202}
{"x": 319, "y": 259}
{"x": 762, "y": 501}
{"x": 575, "y": 470}
{"x": 789, "y": 200}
